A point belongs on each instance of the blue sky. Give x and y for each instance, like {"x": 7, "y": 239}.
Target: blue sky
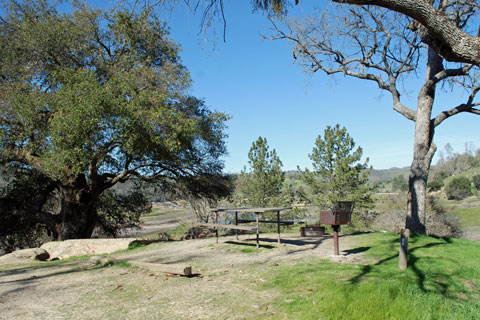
{"x": 256, "y": 82}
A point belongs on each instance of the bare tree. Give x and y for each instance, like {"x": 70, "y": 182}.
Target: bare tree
{"x": 382, "y": 46}
{"x": 441, "y": 24}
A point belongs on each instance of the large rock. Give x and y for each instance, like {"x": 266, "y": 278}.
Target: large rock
{"x": 25, "y": 255}
{"x": 81, "y": 247}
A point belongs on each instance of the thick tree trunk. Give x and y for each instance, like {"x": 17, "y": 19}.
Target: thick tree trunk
{"x": 78, "y": 216}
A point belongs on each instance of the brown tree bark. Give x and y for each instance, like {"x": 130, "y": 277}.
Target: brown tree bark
{"x": 424, "y": 148}
{"x": 451, "y": 42}
{"x": 78, "y": 214}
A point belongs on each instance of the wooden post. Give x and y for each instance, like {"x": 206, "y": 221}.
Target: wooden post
{"x": 216, "y": 222}
{"x": 335, "y": 239}
{"x": 236, "y": 223}
{"x": 403, "y": 256}
{"x": 278, "y": 226}
{"x": 258, "y": 236}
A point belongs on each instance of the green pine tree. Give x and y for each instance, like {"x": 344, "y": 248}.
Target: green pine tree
{"x": 338, "y": 174}
{"x": 263, "y": 182}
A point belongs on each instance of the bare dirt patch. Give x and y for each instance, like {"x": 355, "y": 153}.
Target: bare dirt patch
{"x": 227, "y": 275}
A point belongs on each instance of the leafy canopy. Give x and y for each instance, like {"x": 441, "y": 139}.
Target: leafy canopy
{"x": 338, "y": 174}
{"x": 90, "y": 99}
{"x": 95, "y": 93}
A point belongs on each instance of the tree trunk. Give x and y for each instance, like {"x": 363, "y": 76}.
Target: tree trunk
{"x": 423, "y": 149}
{"x": 416, "y": 205}
{"x": 78, "y": 216}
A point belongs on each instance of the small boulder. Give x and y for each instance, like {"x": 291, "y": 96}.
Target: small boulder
{"x": 197, "y": 233}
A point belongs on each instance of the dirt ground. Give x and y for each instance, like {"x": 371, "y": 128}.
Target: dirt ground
{"x": 226, "y": 274}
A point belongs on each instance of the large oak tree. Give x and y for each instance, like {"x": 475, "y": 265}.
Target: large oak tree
{"x": 91, "y": 99}
{"x": 381, "y": 46}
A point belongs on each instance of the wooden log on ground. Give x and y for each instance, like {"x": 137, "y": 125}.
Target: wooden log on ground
{"x": 165, "y": 268}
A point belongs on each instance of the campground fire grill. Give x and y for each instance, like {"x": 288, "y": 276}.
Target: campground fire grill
{"x": 341, "y": 213}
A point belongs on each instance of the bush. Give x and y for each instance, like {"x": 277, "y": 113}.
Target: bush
{"x": 458, "y": 189}
{"x": 435, "y": 185}
{"x": 442, "y": 225}
{"x": 476, "y": 181}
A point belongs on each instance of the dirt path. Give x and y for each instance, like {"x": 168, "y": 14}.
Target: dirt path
{"x": 228, "y": 274}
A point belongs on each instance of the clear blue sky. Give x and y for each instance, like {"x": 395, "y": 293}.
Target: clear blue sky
{"x": 256, "y": 82}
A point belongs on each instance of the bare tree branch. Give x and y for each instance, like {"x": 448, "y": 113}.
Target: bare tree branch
{"x": 436, "y": 30}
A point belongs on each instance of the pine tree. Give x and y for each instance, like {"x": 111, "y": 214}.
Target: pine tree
{"x": 338, "y": 174}
{"x": 263, "y": 183}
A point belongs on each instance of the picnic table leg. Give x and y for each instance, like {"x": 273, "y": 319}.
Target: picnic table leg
{"x": 278, "y": 226}
{"x": 236, "y": 223}
{"x": 216, "y": 222}
{"x": 258, "y": 236}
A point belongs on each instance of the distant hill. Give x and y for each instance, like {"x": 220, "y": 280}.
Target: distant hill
{"x": 385, "y": 175}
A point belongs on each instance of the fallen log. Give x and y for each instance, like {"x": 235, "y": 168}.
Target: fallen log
{"x": 165, "y": 268}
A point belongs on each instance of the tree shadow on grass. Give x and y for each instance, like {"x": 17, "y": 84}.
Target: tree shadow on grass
{"x": 413, "y": 264}
{"x": 356, "y": 250}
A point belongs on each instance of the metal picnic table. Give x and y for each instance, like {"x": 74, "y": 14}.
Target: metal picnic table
{"x": 257, "y": 211}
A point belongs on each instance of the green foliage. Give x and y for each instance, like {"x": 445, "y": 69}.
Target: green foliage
{"x": 435, "y": 185}
{"x": 458, "y": 188}
{"x": 476, "y": 181}
{"x": 400, "y": 183}
{"x": 23, "y": 194}
{"x": 338, "y": 174}
{"x": 91, "y": 99}
{"x": 433, "y": 286}
{"x": 262, "y": 184}
{"x": 116, "y": 211}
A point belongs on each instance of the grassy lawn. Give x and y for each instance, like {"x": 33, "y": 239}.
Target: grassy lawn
{"x": 160, "y": 212}
{"x": 441, "y": 282}
{"x": 468, "y": 216}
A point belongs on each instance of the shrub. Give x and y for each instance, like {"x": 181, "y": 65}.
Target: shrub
{"x": 458, "y": 189}
{"x": 435, "y": 185}
{"x": 476, "y": 181}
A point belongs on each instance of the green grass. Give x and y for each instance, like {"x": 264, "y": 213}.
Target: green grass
{"x": 441, "y": 282}
{"x": 175, "y": 233}
{"x": 159, "y": 212}
{"x": 468, "y": 216}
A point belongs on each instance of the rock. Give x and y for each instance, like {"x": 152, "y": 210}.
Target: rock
{"x": 163, "y": 236}
{"x": 197, "y": 233}
{"x": 25, "y": 255}
{"x": 81, "y": 247}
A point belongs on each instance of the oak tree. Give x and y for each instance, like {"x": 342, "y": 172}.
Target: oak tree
{"x": 91, "y": 99}
{"x": 378, "y": 45}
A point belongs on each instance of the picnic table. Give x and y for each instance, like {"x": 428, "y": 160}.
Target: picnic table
{"x": 257, "y": 211}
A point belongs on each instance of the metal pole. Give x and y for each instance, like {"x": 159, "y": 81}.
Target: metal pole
{"x": 258, "y": 236}
{"x": 216, "y": 222}
{"x": 236, "y": 223}
{"x": 278, "y": 226}
{"x": 335, "y": 240}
